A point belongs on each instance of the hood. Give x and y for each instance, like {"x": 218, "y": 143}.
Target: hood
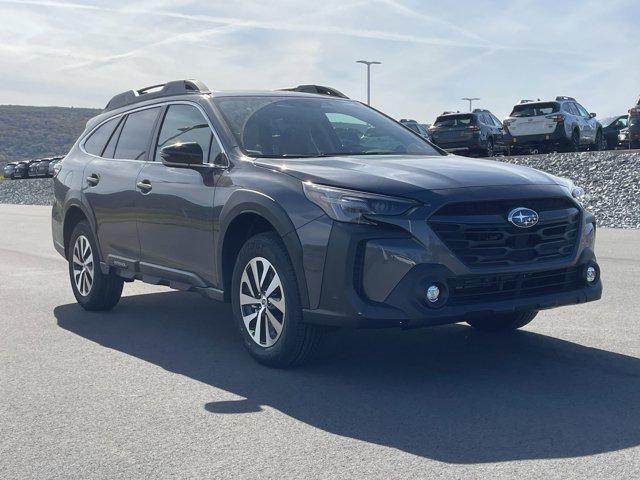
{"x": 398, "y": 175}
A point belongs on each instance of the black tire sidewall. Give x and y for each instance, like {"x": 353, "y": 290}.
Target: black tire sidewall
{"x": 286, "y": 349}
{"x": 98, "y": 286}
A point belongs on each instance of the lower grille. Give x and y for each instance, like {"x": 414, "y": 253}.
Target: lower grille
{"x": 475, "y": 289}
{"x": 480, "y": 235}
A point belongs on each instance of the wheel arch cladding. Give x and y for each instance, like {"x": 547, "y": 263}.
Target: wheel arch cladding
{"x": 73, "y": 215}
{"x": 246, "y": 214}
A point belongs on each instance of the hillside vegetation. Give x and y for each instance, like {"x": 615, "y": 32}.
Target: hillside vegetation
{"x": 32, "y": 132}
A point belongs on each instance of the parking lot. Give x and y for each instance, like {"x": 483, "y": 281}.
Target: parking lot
{"x": 161, "y": 386}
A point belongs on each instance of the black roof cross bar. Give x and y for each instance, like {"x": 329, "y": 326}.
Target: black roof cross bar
{"x": 176, "y": 87}
{"x": 317, "y": 89}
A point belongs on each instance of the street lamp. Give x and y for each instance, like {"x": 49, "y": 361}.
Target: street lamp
{"x": 470, "y": 100}
{"x": 368, "y": 64}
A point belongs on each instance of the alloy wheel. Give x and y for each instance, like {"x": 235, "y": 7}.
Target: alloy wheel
{"x": 83, "y": 267}
{"x": 262, "y": 302}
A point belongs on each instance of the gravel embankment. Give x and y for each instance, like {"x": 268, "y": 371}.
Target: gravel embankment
{"x": 611, "y": 180}
{"x": 33, "y": 191}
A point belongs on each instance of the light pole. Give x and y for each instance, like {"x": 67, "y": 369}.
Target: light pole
{"x": 470, "y": 100}
{"x": 368, "y": 64}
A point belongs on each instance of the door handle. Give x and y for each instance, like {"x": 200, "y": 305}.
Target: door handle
{"x": 93, "y": 180}
{"x": 144, "y": 186}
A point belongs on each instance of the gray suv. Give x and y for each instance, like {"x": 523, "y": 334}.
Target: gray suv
{"x": 309, "y": 211}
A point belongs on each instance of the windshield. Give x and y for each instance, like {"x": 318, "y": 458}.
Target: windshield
{"x": 454, "y": 121}
{"x": 315, "y": 127}
{"x": 534, "y": 109}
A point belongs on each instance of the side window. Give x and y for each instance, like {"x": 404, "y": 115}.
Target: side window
{"x": 582, "y": 110}
{"x": 113, "y": 141}
{"x": 98, "y": 139}
{"x": 136, "y": 134}
{"x": 571, "y": 108}
{"x": 496, "y": 122}
{"x": 185, "y": 123}
{"x": 622, "y": 123}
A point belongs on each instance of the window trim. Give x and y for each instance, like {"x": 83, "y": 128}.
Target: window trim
{"x": 154, "y": 132}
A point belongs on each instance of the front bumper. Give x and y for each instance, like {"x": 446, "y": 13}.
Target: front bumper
{"x": 375, "y": 277}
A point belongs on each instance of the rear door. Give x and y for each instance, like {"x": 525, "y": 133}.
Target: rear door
{"x": 175, "y": 204}
{"x": 110, "y": 180}
{"x": 589, "y": 128}
{"x": 533, "y": 119}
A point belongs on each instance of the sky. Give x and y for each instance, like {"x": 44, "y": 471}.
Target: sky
{"x": 80, "y": 53}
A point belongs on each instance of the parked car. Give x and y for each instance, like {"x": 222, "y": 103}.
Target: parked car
{"x": 634, "y": 127}
{"x": 416, "y": 127}
{"x": 43, "y": 169}
{"x": 9, "y": 170}
{"x": 478, "y": 132}
{"x": 253, "y": 198}
{"x": 22, "y": 169}
{"x": 52, "y": 165}
{"x": 33, "y": 168}
{"x": 562, "y": 124}
{"x": 611, "y": 127}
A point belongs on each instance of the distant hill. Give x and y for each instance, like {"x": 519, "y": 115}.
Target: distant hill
{"x": 32, "y": 132}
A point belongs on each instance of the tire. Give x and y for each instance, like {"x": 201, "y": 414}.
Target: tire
{"x": 574, "y": 141}
{"x": 600, "y": 143}
{"x": 258, "y": 316}
{"x": 94, "y": 290}
{"x": 489, "y": 151}
{"x": 503, "y": 322}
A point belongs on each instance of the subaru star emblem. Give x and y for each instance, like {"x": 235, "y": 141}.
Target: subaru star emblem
{"x": 523, "y": 217}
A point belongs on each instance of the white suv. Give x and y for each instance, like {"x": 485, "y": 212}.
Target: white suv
{"x": 538, "y": 126}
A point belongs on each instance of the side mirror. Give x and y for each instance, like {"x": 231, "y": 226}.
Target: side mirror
{"x": 187, "y": 154}
{"x": 592, "y": 115}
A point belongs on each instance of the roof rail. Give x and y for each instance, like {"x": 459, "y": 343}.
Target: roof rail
{"x": 479, "y": 110}
{"x": 561, "y": 98}
{"x": 450, "y": 113}
{"x": 317, "y": 89}
{"x": 176, "y": 87}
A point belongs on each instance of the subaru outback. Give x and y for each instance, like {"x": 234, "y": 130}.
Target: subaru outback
{"x": 309, "y": 212}
{"x": 478, "y": 132}
{"x": 562, "y": 124}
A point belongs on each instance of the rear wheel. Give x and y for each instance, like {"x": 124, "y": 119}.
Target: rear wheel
{"x": 489, "y": 151}
{"x": 574, "y": 142}
{"x": 93, "y": 289}
{"x": 502, "y": 322}
{"x": 266, "y": 305}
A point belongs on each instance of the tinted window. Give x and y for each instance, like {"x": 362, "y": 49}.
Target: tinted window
{"x": 136, "y": 134}
{"x": 185, "y": 123}
{"x": 463, "y": 120}
{"x": 496, "y": 122}
{"x": 582, "y": 110}
{"x": 312, "y": 127}
{"x": 534, "y": 109}
{"x": 111, "y": 146}
{"x": 97, "y": 140}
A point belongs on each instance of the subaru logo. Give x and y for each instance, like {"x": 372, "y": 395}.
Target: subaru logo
{"x": 523, "y": 217}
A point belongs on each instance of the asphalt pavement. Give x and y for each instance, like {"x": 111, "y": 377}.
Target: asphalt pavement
{"x": 161, "y": 386}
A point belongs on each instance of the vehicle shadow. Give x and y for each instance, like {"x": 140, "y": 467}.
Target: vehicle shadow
{"x": 448, "y": 393}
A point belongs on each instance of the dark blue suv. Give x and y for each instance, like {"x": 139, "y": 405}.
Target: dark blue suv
{"x": 308, "y": 211}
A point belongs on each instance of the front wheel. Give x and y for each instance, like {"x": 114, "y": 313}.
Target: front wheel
{"x": 93, "y": 289}
{"x": 489, "y": 151}
{"x": 502, "y": 322}
{"x": 600, "y": 143}
{"x": 266, "y": 305}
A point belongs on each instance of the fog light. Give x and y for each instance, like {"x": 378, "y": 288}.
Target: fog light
{"x": 591, "y": 274}
{"x": 433, "y": 293}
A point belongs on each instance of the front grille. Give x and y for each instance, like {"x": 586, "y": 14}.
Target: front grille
{"x": 476, "y": 289}
{"x": 480, "y": 235}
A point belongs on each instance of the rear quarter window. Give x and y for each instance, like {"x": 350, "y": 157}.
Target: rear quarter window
{"x": 135, "y": 137}
{"x": 95, "y": 143}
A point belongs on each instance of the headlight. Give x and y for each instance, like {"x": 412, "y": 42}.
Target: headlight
{"x": 576, "y": 192}
{"x": 353, "y": 206}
